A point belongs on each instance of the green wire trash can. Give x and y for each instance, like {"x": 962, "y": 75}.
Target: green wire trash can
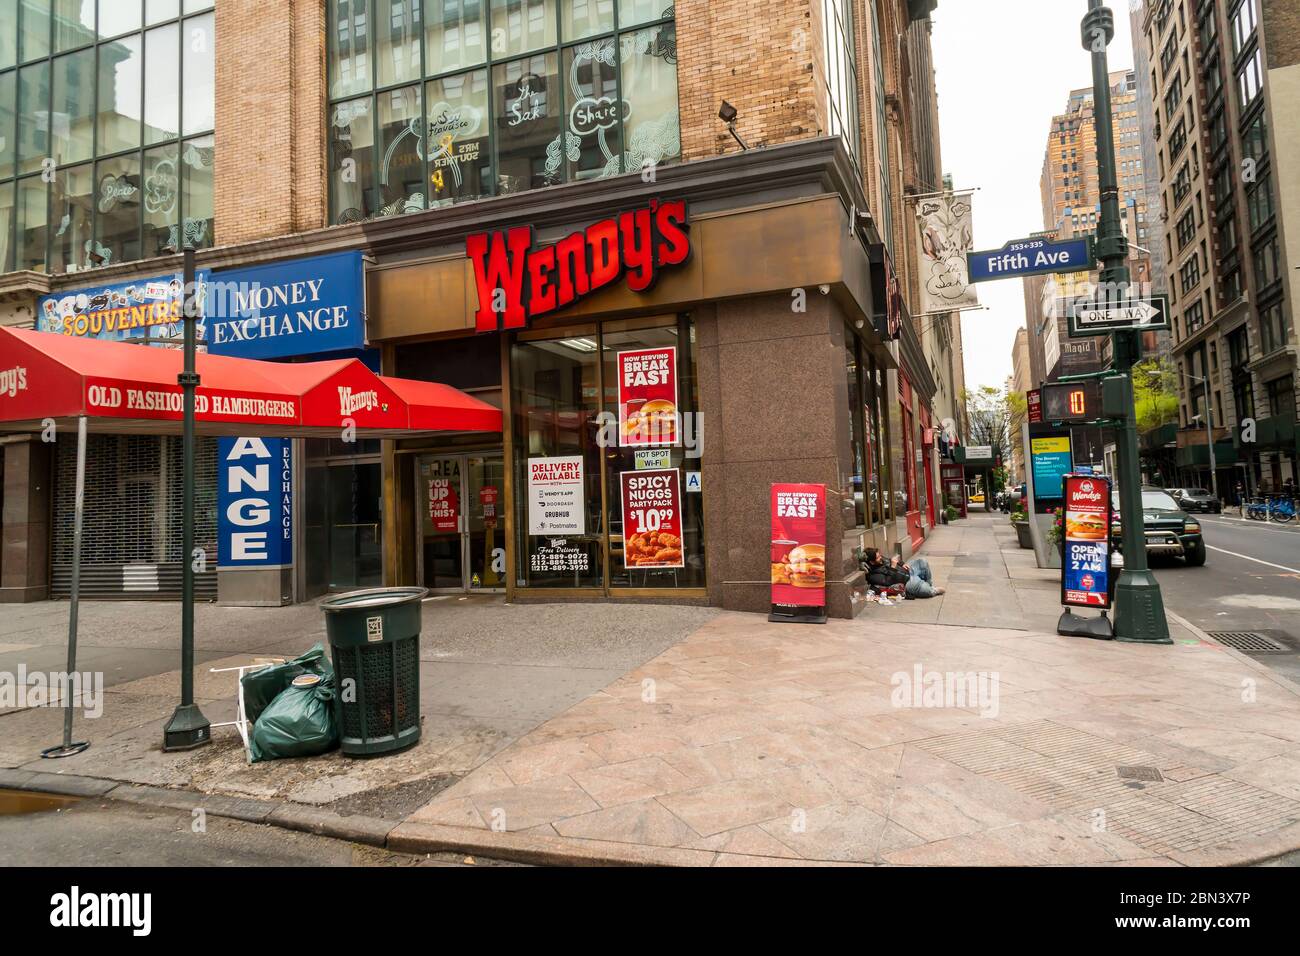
{"x": 374, "y": 638}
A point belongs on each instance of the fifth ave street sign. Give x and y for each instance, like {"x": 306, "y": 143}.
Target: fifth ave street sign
{"x": 1137, "y": 315}
{"x": 1030, "y": 257}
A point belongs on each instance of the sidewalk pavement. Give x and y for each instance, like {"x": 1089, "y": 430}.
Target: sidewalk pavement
{"x": 959, "y": 730}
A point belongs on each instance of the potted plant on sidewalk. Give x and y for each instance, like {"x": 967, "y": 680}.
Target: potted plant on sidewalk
{"x": 1021, "y": 524}
{"x": 1057, "y": 534}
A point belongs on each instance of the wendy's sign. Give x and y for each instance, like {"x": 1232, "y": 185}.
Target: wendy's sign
{"x": 517, "y": 282}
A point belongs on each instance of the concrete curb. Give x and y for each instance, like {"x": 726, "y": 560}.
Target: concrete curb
{"x": 356, "y": 829}
{"x": 429, "y": 838}
{"x": 538, "y": 849}
{"x": 1274, "y": 677}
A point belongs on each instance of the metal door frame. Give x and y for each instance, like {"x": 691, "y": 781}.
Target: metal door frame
{"x": 462, "y": 520}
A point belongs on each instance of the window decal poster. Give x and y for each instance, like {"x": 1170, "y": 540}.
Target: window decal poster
{"x": 556, "y": 499}
{"x": 444, "y": 505}
{"x": 1085, "y": 570}
{"x": 798, "y": 552}
{"x": 647, "y": 397}
{"x": 652, "y": 519}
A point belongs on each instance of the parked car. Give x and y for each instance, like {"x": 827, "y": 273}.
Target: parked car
{"x": 1169, "y": 529}
{"x": 1196, "y": 499}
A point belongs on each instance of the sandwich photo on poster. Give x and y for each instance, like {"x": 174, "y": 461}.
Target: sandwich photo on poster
{"x": 652, "y": 519}
{"x": 647, "y": 397}
{"x": 1085, "y": 568}
{"x": 798, "y": 555}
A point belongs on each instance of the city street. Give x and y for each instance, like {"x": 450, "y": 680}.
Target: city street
{"x": 1250, "y": 582}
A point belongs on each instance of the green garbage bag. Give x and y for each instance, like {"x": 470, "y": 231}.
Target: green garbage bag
{"x": 263, "y": 686}
{"x": 298, "y": 723}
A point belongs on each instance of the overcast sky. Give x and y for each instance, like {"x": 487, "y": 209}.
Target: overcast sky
{"x": 1004, "y": 69}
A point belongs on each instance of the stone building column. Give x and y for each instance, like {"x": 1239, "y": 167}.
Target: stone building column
{"x": 774, "y": 395}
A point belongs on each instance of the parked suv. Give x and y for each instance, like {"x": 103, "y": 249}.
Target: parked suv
{"x": 1169, "y": 529}
{"x": 1196, "y": 499}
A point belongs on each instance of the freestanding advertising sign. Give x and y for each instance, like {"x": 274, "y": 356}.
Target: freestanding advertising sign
{"x": 1085, "y": 568}
{"x": 798, "y": 553}
{"x": 647, "y": 397}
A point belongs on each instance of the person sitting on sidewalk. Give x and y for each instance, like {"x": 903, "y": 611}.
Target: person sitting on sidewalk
{"x": 917, "y": 578}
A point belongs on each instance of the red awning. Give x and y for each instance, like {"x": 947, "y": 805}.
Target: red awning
{"x": 435, "y": 407}
{"x": 122, "y": 387}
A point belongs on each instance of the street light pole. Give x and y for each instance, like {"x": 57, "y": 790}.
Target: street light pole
{"x": 1209, "y": 439}
{"x": 1139, "y": 607}
{"x": 188, "y": 728}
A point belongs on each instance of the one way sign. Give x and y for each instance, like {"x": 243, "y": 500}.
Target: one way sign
{"x": 1102, "y": 318}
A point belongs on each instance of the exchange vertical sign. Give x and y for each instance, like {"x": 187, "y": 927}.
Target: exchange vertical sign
{"x": 254, "y": 502}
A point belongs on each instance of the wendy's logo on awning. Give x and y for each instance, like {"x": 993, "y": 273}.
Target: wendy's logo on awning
{"x": 351, "y": 402}
{"x": 13, "y": 381}
{"x": 517, "y": 282}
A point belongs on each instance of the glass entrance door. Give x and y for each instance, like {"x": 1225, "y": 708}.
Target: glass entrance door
{"x": 462, "y": 541}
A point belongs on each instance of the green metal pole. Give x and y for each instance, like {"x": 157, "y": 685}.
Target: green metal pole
{"x": 1139, "y": 608}
{"x": 188, "y": 728}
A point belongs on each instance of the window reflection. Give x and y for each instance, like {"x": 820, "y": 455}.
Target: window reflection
{"x": 556, "y": 110}
{"x": 72, "y": 117}
{"x": 401, "y": 170}
{"x": 457, "y": 34}
{"x": 71, "y": 197}
{"x": 527, "y": 127}
{"x": 457, "y": 133}
{"x": 119, "y": 95}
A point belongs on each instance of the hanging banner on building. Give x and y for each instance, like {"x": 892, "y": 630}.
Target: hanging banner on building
{"x": 1034, "y": 405}
{"x": 444, "y": 505}
{"x": 647, "y": 397}
{"x": 943, "y": 237}
{"x": 652, "y": 519}
{"x": 556, "y": 498}
{"x": 254, "y": 502}
{"x": 798, "y": 553}
{"x": 1085, "y": 568}
{"x": 130, "y": 311}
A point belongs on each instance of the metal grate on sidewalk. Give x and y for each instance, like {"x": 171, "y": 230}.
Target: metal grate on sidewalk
{"x": 1251, "y": 641}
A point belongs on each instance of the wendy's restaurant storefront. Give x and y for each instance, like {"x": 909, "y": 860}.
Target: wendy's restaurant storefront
{"x": 663, "y": 352}
{"x": 316, "y": 518}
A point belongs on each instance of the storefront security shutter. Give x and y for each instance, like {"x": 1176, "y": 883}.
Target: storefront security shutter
{"x": 131, "y": 538}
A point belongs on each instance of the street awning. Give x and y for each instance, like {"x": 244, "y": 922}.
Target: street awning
{"x": 122, "y": 388}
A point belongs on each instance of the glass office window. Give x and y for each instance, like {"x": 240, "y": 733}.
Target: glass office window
{"x": 95, "y": 97}
{"x": 564, "y": 90}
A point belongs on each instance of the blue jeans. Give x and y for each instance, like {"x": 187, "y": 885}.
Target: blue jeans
{"x": 921, "y": 583}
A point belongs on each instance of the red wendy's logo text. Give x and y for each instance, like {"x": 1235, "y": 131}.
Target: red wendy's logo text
{"x": 536, "y": 282}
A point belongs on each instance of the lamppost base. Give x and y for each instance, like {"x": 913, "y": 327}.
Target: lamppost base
{"x": 64, "y": 750}
{"x": 1140, "y": 610}
{"x": 187, "y": 729}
